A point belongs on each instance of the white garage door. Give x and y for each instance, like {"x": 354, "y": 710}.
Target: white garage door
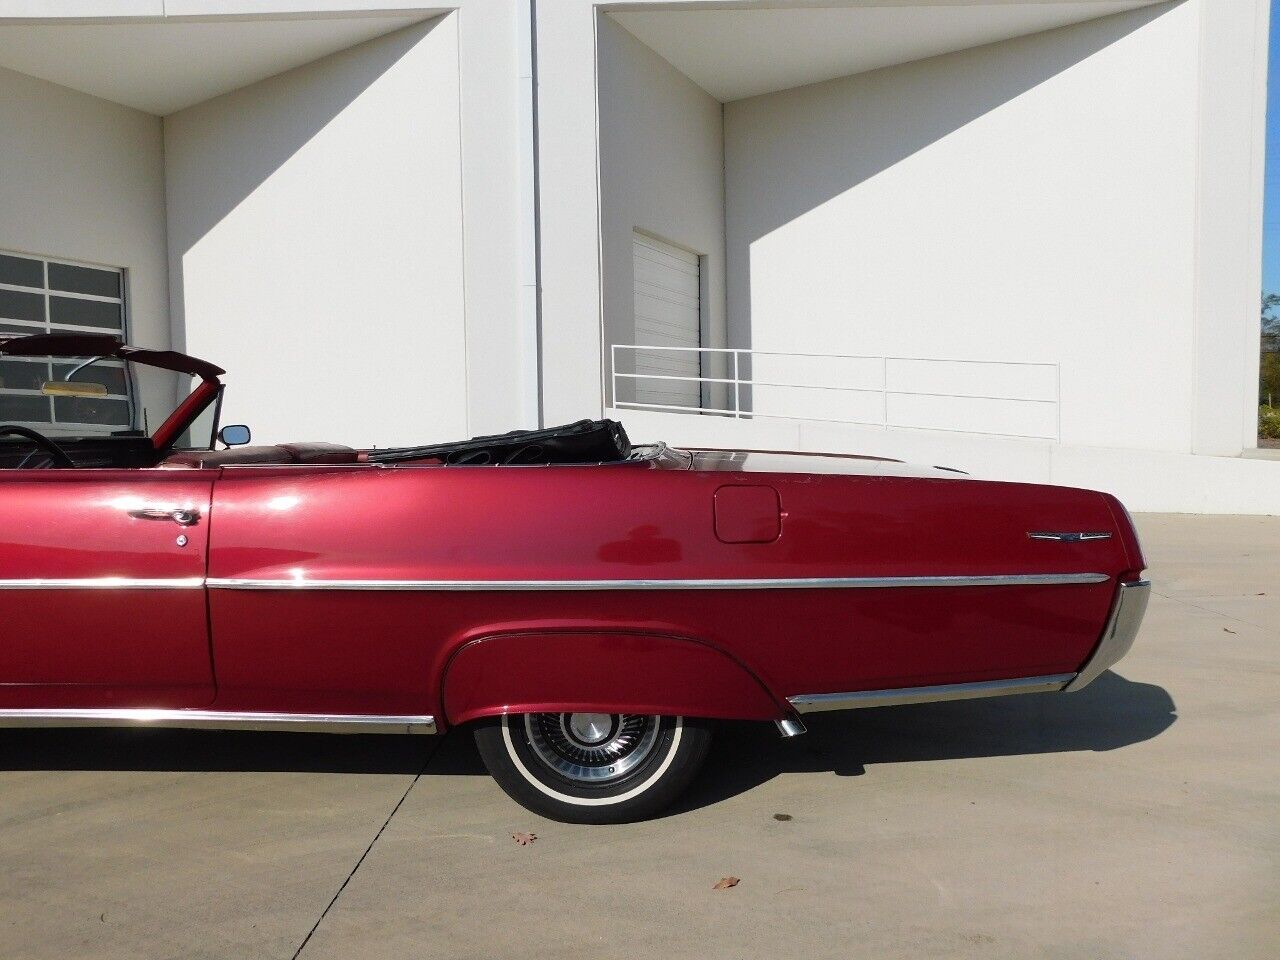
{"x": 667, "y": 308}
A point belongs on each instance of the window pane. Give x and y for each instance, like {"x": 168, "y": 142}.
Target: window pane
{"x": 199, "y": 436}
{"x": 22, "y": 374}
{"x": 23, "y": 409}
{"x": 16, "y": 305}
{"x": 91, "y": 410}
{"x": 58, "y": 302}
{"x": 102, "y": 283}
{"x": 110, "y": 377}
{"x": 85, "y": 313}
{"x": 20, "y": 270}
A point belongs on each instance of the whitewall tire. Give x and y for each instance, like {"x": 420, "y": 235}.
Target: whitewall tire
{"x": 593, "y": 767}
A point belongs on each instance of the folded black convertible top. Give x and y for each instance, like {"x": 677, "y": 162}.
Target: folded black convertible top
{"x": 587, "y": 441}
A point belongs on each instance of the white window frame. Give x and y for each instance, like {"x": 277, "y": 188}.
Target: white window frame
{"x": 54, "y": 425}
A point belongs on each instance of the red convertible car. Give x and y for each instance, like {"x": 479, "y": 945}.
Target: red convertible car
{"x": 586, "y": 606}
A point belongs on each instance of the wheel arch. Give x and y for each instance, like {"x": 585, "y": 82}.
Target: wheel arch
{"x": 607, "y": 671}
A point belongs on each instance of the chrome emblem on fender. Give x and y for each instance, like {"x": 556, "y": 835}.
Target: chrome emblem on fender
{"x": 1068, "y": 537}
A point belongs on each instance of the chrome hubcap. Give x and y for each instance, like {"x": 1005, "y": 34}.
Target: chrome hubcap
{"x": 588, "y": 728}
{"x": 591, "y": 748}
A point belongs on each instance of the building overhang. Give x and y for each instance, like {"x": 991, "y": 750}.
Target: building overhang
{"x": 135, "y": 53}
{"x": 736, "y": 50}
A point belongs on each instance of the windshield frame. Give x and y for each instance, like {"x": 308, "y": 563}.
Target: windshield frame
{"x": 95, "y": 347}
{"x": 186, "y": 413}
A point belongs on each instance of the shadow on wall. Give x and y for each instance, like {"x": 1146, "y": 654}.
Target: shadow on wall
{"x": 1109, "y": 714}
{"x": 209, "y": 176}
{"x": 790, "y": 160}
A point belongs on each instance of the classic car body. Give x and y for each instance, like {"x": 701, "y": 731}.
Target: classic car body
{"x": 310, "y": 586}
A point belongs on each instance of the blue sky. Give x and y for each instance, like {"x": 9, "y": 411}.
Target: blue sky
{"x": 1271, "y": 232}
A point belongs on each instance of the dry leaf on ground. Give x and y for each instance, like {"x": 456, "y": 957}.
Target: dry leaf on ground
{"x": 724, "y": 883}
{"x": 524, "y": 839}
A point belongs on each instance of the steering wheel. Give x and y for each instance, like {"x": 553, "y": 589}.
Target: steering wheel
{"x": 56, "y": 453}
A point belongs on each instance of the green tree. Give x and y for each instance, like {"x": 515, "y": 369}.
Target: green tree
{"x": 1270, "y": 322}
{"x": 1269, "y": 371}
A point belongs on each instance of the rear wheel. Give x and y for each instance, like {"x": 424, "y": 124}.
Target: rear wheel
{"x": 593, "y": 767}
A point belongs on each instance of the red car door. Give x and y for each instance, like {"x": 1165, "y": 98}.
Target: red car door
{"x": 102, "y": 588}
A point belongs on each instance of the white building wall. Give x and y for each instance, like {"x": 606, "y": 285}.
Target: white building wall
{"x": 1031, "y": 200}
{"x": 82, "y": 178}
{"x": 315, "y": 238}
{"x": 661, "y": 172}
{"x": 1088, "y": 197}
{"x": 1126, "y": 119}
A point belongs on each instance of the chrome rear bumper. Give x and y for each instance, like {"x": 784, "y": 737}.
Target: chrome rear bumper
{"x": 1118, "y": 635}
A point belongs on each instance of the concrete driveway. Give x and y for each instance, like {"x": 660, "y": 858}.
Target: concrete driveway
{"x": 1140, "y": 818}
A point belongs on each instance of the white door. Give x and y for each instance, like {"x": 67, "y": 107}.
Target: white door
{"x": 667, "y": 308}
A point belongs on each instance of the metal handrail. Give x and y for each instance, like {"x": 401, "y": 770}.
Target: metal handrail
{"x": 885, "y": 389}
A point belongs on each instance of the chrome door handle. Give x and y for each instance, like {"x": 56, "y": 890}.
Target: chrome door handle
{"x": 183, "y": 517}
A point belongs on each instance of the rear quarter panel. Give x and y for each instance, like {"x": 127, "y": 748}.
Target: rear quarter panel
{"x": 386, "y": 651}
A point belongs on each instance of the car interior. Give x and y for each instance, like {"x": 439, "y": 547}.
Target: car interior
{"x": 22, "y": 448}
{"x": 585, "y": 442}
{"x": 101, "y": 385}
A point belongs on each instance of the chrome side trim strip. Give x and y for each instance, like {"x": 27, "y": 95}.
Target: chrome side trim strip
{"x": 796, "y": 583}
{"x": 103, "y": 583}
{"x": 817, "y": 702}
{"x": 1118, "y": 635}
{"x": 220, "y": 720}
{"x": 799, "y": 583}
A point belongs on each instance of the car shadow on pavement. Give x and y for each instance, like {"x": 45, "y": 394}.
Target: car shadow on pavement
{"x": 1110, "y": 713}
{"x": 211, "y": 750}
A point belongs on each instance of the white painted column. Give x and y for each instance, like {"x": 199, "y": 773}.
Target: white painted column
{"x": 1233, "y": 65}
{"x": 501, "y": 362}
{"x": 571, "y": 347}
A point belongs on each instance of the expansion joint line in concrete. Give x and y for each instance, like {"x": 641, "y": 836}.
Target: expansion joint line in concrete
{"x": 431, "y": 752}
{"x": 1217, "y": 613}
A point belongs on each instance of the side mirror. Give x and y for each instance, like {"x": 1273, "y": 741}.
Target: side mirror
{"x": 235, "y": 435}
